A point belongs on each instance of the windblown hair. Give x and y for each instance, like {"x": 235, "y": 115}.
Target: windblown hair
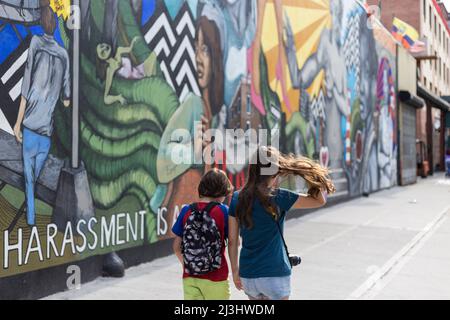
{"x": 257, "y": 186}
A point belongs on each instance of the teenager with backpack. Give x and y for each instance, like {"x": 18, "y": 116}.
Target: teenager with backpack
{"x": 257, "y": 214}
{"x": 201, "y": 231}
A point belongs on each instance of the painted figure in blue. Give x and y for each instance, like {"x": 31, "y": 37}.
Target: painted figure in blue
{"x": 46, "y": 75}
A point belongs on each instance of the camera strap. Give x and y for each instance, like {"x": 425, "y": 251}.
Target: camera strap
{"x": 280, "y": 231}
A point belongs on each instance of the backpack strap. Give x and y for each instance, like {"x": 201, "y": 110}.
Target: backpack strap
{"x": 209, "y": 207}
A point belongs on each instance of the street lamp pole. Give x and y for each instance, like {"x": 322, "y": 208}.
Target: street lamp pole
{"x": 76, "y": 88}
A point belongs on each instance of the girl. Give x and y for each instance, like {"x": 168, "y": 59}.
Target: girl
{"x": 258, "y": 212}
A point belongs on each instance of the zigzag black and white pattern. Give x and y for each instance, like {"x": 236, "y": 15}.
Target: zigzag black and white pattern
{"x": 352, "y": 45}
{"x": 173, "y": 42}
{"x": 318, "y": 107}
{"x": 11, "y": 75}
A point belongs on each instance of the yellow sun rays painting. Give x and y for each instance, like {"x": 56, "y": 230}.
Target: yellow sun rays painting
{"x": 308, "y": 19}
{"x": 61, "y": 7}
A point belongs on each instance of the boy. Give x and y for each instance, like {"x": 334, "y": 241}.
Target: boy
{"x": 201, "y": 230}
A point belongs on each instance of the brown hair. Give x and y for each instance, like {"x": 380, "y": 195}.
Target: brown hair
{"x": 211, "y": 36}
{"x": 257, "y": 186}
{"x": 215, "y": 184}
{"x": 48, "y": 21}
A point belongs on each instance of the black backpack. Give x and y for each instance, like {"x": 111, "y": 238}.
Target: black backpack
{"x": 202, "y": 242}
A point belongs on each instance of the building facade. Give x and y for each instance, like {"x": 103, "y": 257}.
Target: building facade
{"x": 430, "y": 19}
{"x": 311, "y": 72}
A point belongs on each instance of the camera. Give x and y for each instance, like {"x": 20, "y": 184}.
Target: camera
{"x": 295, "y": 260}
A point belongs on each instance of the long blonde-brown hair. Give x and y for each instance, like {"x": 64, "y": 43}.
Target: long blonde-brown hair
{"x": 257, "y": 186}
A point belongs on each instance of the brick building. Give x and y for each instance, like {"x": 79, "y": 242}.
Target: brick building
{"x": 430, "y": 18}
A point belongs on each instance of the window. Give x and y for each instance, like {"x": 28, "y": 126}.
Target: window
{"x": 435, "y": 61}
{"x": 249, "y": 104}
{"x": 424, "y": 8}
{"x": 425, "y": 82}
{"x": 429, "y": 10}
{"x": 444, "y": 74}
{"x": 435, "y": 26}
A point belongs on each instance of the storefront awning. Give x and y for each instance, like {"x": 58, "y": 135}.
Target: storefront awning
{"x": 410, "y": 99}
{"x": 435, "y": 100}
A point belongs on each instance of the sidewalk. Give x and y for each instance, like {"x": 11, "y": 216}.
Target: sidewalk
{"x": 393, "y": 245}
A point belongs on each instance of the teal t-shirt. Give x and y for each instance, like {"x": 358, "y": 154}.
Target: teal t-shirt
{"x": 263, "y": 254}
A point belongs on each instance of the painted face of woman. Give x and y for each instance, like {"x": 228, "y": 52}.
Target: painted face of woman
{"x": 203, "y": 59}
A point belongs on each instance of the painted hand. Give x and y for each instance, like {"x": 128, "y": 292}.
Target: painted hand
{"x": 288, "y": 34}
{"x": 133, "y": 42}
{"x": 122, "y": 100}
{"x": 18, "y": 132}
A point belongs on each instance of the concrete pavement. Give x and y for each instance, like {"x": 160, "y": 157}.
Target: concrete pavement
{"x": 393, "y": 245}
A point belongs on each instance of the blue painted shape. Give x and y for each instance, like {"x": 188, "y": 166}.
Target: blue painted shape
{"x": 173, "y": 6}
{"x": 58, "y": 38}
{"x": 9, "y": 42}
{"x": 148, "y": 9}
{"x": 343, "y": 128}
{"x": 36, "y": 30}
{"x": 22, "y": 30}
{"x": 352, "y": 85}
{"x": 193, "y": 4}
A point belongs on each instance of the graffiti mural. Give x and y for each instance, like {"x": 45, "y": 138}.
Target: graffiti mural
{"x": 153, "y": 75}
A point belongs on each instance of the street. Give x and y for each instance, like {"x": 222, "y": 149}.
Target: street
{"x": 393, "y": 245}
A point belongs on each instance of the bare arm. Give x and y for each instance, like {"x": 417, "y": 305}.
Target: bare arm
{"x": 314, "y": 64}
{"x": 310, "y": 202}
{"x": 125, "y": 50}
{"x": 114, "y": 65}
{"x": 177, "y": 249}
{"x": 291, "y": 53}
{"x": 233, "y": 248}
{"x": 26, "y": 85}
{"x": 18, "y": 126}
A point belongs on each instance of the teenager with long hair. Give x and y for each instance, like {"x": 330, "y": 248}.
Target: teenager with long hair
{"x": 257, "y": 213}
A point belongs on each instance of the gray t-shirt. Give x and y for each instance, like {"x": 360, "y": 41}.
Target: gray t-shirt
{"x": 47, "y": 73}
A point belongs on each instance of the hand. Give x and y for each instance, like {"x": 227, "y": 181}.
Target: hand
{"x": 237, "y": 281}
{"x": 122, "y": 100}
{"x": 288, "y": 35}
{"x": 18, "y": 132}
{"x": 135, "y": 39}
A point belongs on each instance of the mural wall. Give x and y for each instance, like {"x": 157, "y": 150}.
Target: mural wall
{"x": 311, "y": 71}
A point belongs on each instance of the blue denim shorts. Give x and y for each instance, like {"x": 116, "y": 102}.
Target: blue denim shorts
{"x": 275, "y": 288}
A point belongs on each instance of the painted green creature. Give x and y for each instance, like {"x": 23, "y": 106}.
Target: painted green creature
{"x": 122, "y": 66}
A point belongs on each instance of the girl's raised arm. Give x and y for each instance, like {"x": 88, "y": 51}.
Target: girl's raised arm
{"x": 307, "y": 201}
